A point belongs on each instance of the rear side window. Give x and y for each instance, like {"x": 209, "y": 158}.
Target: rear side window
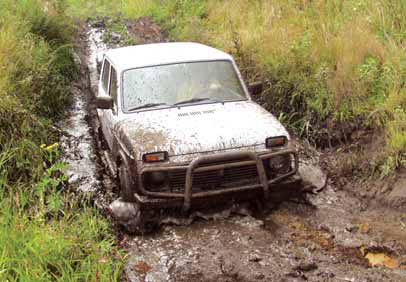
{"x": 105, "y": 75}
{"x": 113, "y": 84}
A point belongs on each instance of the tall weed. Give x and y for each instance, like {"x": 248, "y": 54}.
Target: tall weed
{"x": 47, "y": 233}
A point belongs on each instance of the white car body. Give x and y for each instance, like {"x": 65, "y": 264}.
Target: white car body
{"x": 184, "y": 132}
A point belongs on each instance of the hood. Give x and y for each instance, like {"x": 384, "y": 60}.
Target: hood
{"x": 199, "y": 128}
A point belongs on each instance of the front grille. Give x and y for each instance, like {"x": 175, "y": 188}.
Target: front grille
{"x": 231, "y": 177}
{"x": 215, "y": 179}
{"x": 209, "y": 180}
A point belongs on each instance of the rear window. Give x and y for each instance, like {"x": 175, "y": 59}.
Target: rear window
{"x": 113, "y": 84}
{"x": 105, "y": 75}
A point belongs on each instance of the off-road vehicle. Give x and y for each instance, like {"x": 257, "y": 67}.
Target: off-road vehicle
{"x": 182, "y": 130}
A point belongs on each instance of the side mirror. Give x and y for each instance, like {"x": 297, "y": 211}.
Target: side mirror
{"x": 255, "y": 88}
{"x": 104, "y": 102}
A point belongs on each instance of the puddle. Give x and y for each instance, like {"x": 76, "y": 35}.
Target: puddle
{"x": 96, "y": 49}
{"x": 77, "y": 145}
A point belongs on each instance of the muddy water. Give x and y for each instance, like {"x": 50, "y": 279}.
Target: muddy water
{"x": 319, "y": 237}
{"x": 77, "y": 145}
{"x": 316, "y": 240}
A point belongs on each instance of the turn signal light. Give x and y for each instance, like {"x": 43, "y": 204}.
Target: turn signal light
{"x": 278, "y": 141}
{"x": 155, "y": 157}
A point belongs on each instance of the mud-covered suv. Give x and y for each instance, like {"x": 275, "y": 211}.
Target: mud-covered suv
{"x": 182, "y": 130}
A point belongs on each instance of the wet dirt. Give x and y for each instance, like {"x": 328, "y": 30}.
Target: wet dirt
{"x": 77, "y": 140}
{"x": 314, "y": 241}
{"x": 323, "y": 235}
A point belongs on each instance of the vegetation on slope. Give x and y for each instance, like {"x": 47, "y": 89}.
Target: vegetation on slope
{"x": 46, "y": 231}
{"x": 332, "y": 68}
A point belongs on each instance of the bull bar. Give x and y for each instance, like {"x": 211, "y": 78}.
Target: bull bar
{"x": 193, "y": 167}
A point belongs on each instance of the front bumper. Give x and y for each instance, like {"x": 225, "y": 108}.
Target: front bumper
{"x": 154, "y": 199}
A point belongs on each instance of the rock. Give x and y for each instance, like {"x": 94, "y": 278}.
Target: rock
{"x": 314, "y": 179}
{"x": 127, "y": 214}
{"x": 73, "y": 179}
{"x": 77, "y": 59}
{"x": 115, "y": 37}
{"x": 98, "y": 23}
{"x": 123, "y": 211}
{"x": 259, "y": 276}
{"x": 254, "y": 258}
{"x": 250, "y": 222}
{"x": 306, "y": 266}
{"x": 351, "y": 228}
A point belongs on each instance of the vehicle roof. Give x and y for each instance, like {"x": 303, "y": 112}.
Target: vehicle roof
{"x": 162, "y": 53}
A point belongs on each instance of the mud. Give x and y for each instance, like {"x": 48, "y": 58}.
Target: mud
{"x": 324, "y": 235}
{"x": 77, "y": 143}
{"x": 313, "y": 241}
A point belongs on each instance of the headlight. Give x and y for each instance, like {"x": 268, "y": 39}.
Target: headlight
{"x": 280, "y": 164}
{"x": 278, "y": 141}
{"x": 157, "y": 177}
{"x": 155, "y": 157}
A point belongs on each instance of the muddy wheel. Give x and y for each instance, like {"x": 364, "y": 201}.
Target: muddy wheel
{"x": 102, "y": 142}
{"x": 125, "y": 183}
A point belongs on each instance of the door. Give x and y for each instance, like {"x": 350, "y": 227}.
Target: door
{"x": 108, "y": 87}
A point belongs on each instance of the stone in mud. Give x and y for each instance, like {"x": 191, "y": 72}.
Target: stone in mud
{"x": 127, "y": 214}
{"x": 73, "y": 179}
{"x": 77, "y": 59}
{"x": 254, "y": 257}
{"x": 98, "y": 23}
{"x": 115, "y": 37}
{"x": 314, "y": 179}
{"x": 250, "y": 222}
{"x": 306, "y": 266}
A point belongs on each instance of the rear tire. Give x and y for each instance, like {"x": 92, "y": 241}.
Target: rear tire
{"x": 126, "y": 183}
{"x": 102, "y": 141}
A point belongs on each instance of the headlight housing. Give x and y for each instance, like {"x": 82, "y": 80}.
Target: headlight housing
{"x": 156, "y": 178}
{"x": 280, "y": 164}
{"x": 275, "y": 142}
{"x": 155, "y": 157}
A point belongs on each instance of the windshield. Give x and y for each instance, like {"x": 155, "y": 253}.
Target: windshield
{"x": 181, "y": 84}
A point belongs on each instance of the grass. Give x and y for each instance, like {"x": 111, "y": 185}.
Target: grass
{"x": 330, "y": 67}
{"x": 47, "y": 233}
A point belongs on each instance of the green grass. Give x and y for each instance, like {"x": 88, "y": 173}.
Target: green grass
{"x": 47, "y": 233}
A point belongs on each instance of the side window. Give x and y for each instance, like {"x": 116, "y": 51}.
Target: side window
{"x": 105, "y": 75}
{"x": 113, "y": 85}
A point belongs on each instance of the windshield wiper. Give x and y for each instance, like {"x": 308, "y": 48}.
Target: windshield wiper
{"x": 149, "y": 105}
{"x": 193, "y": 100}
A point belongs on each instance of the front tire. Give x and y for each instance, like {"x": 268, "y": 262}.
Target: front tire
{"x": 126, "y": 183}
